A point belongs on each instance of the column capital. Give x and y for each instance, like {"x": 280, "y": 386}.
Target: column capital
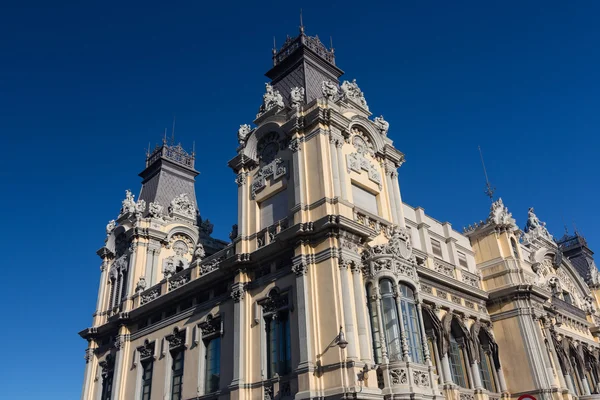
{"x": 238, "y": 291}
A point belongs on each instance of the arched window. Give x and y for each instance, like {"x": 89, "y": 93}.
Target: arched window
{"x": 391, "y": 322}
{"x": 513, "y": 243}
{"x": 411, "y": 323}
{"x": 456, "y": 357}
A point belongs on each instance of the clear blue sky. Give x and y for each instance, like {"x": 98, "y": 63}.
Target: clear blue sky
{"x": 85, "y": 86}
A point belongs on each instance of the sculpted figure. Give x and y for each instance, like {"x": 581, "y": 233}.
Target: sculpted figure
{"x": 329, "y": 90}
{"x": 243, "y": 133}
{"x": 271, "y": 98}
{"x": 110, "y": 227}
{"x": 352, "y": 92}
{"x": 297, "y": 96}
{"x": 382, "y": 125}
{"x": 128, "y": 204}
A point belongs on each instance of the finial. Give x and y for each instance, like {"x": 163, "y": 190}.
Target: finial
{"x": 173, "y": 132}
{"x": 301, "y": 23}
{"x": 165, "y": 137}
{"x": 489, "y": 190}
{"x": 193, "y": 148}
{"x": 148, "y": 152}
{"x": 331, "y": 43}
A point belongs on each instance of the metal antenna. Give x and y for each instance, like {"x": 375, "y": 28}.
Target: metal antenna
{"x": 194, "y": 148}
{"x": 148, "y": 152}
{"x": 489, "y": 190}
{"x": 165, "y": 138}
{"x": 173, "y": 132}
{"x": 301, "y": 23}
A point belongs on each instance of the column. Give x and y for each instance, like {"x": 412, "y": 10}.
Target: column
{"x": 335, "y": 167}
{"x": 347, "y": 310}
{"x": 423, "y": 333}
{"x": 342, "y": 169}
{"x": 501, "y": 381}
{"x": 361, "y": 314}
{"x": 542, "y": 347}
{"x": 131, "y": 269}
{"x": 559, "y": 373}
{"x": 585, "y": 384}
{"x": 102, "y": 288}
{"x": 382, "y": 340}
{"x": 89, "y": 355}
{"x": 302, "y": 297}
{"x": 570, "y": 384}
{"x": 446, "y": 368}
{"x": 398, "y": 198}
{"x": 239, "y": 333}
{"x": 119, "y": 359}
{"x": 298, "y": 167}
{"x": 403, "y": 338}
{"x": 438, "y": 362}
{"x": 152, "y": 252}
{"x": 476, "y": 375}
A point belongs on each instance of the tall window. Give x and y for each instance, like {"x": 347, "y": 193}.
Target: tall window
{"x": 364, "y": 199}
{"x": 485, "y": 368}
{"x": 107, "y": 377}
{"x": 567, "y": 297}
{"x": 457, "y": 364}
{"x": 177, "y": 374}
{"x": 213, "y": 365}
{"x": 462, "y": 260}
{"x": 147, "y": 367}
{"x": 273, "y": 209}
{"x": 411, "y": 323}
{"x": 513, "y": 243}
{"x": 391, "y": 325}
{"x": 436, "y": 247}
{"x": 279, "y": 354}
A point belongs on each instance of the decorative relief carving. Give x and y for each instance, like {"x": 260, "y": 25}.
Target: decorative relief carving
{"x": 155, "y": 210}
{"x": 276, "y": 169}
{"x": 210, "y": 266}
{"x": 455, "y": 299}
{"x": 119, "y": 266}
{"x": 275, "y": 301}
{"x": 352, "y": 92}
{"x": 500, "y": 216}
{"x": 470, "y": 304}
{"x": 469, "y": 279}
{"x": 382, "y": 125}
{"x": 466, "y": 396}
{"x": 237, "y": 292}
{"x": 128, "y": 204}
{"x": 399, "y": 376}
{"x": 110, "y": 227}
{"x": 182, "y": 205}
{"x": 211, "y": 326}
{"x": 240, "y": 179}
{"x": 146, "y": 350}
{"x": 426, "y": 288}
{"x": 269, "y": 392}
{"x": 150, "y": 295}
{"x": 329, "y": 90}
{"x": 421, "y": 378}
{"x": 271, "y": 99}
{"x": 179, "y": 281}
{"x": 199, "y": 253}
{"x": 444, "y": 269}
{"x": 176, "y": 339}
{"x": 300, "y": 269}
{"x": 535, "y": 229}
{"x": 358, "y": 161}
{"x": 141, "y": 285}
{"x": 441, "y": 294}
{"x": 140, "y": 207}
{"x": 243, "y": 133}
{"x": 296, "y": 97}
{"x": 294, "y": 145}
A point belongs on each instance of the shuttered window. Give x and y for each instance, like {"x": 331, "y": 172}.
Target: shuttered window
{"x": 273, "y": 209}
{"x": 364, "y": 199}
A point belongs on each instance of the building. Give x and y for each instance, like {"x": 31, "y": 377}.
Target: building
{"x": 331, "y": 286}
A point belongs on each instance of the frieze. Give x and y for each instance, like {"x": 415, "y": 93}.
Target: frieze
{"x": 150, "y": 295}
{"x": 421, "y": 378}
{"x": 443, "y": 268}
{"x": 179, "y": 281}
{"x": 275, "y": 170}
{"x": 455, "y": 299}
{"x": 399, "y": 376}
{"x": 470, "y": 279}
{"x": 426, "y": 288}
{"x": 441, "y": 294}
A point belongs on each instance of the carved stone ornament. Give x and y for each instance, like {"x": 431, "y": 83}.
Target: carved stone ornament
{"x": 593, "y": 279}
{"x": 296, "y": 97}
{"x": 107, "y": 366}
{"x": 421, "y": 378}
{"x": 399, "y": 244}
{"x": 237, "y": 292}
{"x": 329, "y": 90}
{"x": 211, "y": 326}
{"x": 275, "y": 170}
{"x": 210, "y": 266}
{"x": 206, "y": 226}
{"x": 399, "y": 376}
{"x": 300, "y": 269}
{"x": 358, "y": 161}
{"x": 243, "y": 133}
{"x": 535, "y": 229}
{"x": 146, "y": 350}
{"x": 351, "y": 91}
{"x": 199, "y": 253}
{"x": 119, "y": 266}
{"x": 177, "y": 262}
{"x": 141, "y": 285}
{"x": 182, "y": 205}
{"x": 149, "y": 296}
{"x": 382, "y": 125}
{"x": 140, "y": 207}
{"x": 240, "y": 179}
{"x": 155, "y": 210}
{"x": 588, "y": 306}
{"x": 500, "y": 216}
{"x": 179, "y": 281}
{"x": 176, "y": 339}
{"x": 272, "y": 98}
{"x": 234, "y": 232}
{"x": 128, "y": 204}
{"x": 110, "y": 227}
{"x": 274, "y": 302}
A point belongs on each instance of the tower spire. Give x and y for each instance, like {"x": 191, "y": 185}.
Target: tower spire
{"x": 489, "y": 190}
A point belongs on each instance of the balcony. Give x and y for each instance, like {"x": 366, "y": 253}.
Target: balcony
{"x": 562, "y": 305}
{"x": 268, "y": 234}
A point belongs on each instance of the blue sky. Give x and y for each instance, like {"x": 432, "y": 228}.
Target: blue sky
{"x": 84, "y": 86}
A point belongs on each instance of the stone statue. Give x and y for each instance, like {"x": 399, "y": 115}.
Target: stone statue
{"x": 199, "y": 253}
{"x": 243, "y": 133}
{"x": 234, "y": 232}
{"x": 141, "y": 285}
{"x": 593, "y": 275}
{"x": 110, "y": 227}
{"x": 206, "y": 226}
{"x": 183, "y": 205}
{"x": 534, "y": 228}
{"x": 128, "y": 204}
{"x": 271, "y": 98}
{"x": 589, "y": 306}
{"x": 155, "y": 210}
{"x": 382, "y": 125}
{"x": 297, "y": 97}
{"x": 329, "y": 90}
{"x": 351, "y": 91}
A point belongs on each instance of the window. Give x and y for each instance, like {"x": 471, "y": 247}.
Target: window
{"x": 107, "y": 383}
{"x": 364, "y": 199}
{"x": 177, "y": 374}
{"x": 485, "y": 368}
{"x": 391, "y": 326}
{"x": 107, "y": 377}
{"x": 273, "y": 209}
{"x": 213, "y": 365}
{"x": 147, "y": 367}
{"x": 513, "y": 243}
{"x": 411, "y": 323}
{"x": 279, "y": 354}
{"x": 462, "y": 260}
{"x": 436, "y": 247}
{"x": 567, "y": 297}
{"x": 457, "y": 366}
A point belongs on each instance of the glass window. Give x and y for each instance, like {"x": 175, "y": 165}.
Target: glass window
{"x": 485, "y": 368}
{"x": 513, "y": 243}
{"x": 390, "y": 321}
{"x": 177, "y": 379}
{"x": 273, "y": 209}
{"x": 455, "y": 358}
{"x": 147, "y": 379}
{"x": 107, "y": 384}
{"x": 279, "y": 352}
{"x": 567, "y": 297}
{"x": 436, "y": 247}
{"x": 462, "y": 260}
{"x": 410, "y": 323}
{"x": 213, "y": 365}
{"x": 364, "y": 199}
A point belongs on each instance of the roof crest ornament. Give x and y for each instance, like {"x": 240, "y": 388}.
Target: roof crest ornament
{"x": 351, "y": 91}
{"x": 535, "y": 229}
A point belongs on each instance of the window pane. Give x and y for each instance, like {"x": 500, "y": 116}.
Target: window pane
{"x": 487, "y": 377}
{"x": 364, "y": 199}
{"x": 177, "y": 375}
{"x": 462, "y": 260}
{"x": 391, "y": 327}
{"x": 213, "y": 365}
{"x": 456, "y": 365}
{"x": 273, "y": 209}
{"x": 436, "y": 247}
{"x": 411, "y": 324}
